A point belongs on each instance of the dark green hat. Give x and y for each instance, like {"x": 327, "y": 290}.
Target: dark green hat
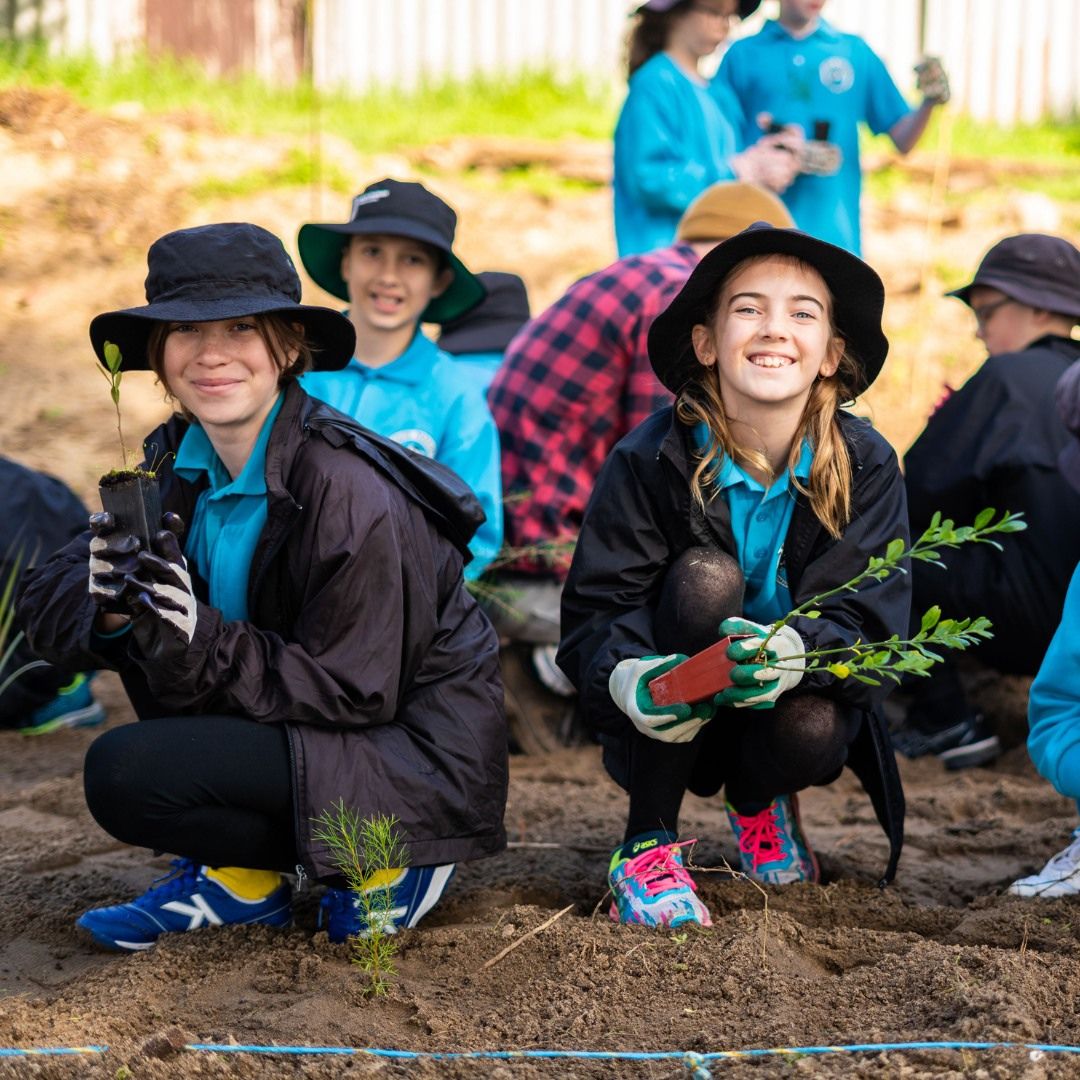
{"x": 392, "y": 208}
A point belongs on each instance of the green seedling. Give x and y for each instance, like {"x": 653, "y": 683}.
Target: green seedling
{"x": 113, "y": 375}
{"x": 869, "y": 661}
{"x": 369, "y": 853}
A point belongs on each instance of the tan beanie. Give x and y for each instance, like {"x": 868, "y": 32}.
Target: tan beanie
{"x": 727, "y": 208}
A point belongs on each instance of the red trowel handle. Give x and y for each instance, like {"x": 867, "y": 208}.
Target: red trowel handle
{"x": 700, "y": 677}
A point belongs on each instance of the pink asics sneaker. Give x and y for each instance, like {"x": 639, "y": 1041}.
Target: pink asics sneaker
{"x": 652, "y": 887}
{"x": 772, "y": 846}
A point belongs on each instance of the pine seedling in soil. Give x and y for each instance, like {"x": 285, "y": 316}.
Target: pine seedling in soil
{"x": 368, "y": 852}
{"x": 896, "y": 657}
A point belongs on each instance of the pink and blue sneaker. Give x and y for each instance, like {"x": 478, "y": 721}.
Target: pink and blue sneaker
{"x": 651, "y": 887}
{"x": 772, "y": 846}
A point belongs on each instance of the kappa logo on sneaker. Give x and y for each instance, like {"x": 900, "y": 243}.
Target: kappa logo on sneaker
{"x": 198, "y": 911}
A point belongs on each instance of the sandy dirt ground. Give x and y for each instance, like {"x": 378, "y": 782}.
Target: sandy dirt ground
{"x": 943, "y": 954}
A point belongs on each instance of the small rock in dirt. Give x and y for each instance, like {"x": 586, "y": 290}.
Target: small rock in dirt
{"x": 509, "y": 930}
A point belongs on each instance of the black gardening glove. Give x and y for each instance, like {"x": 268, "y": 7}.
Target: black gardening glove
{"x": 113, "y": 555}
{"x": 159, "y": 596}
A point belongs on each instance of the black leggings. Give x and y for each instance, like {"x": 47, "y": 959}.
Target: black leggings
{"x": 756, "y": 754}
{"x": 215, "y": 789}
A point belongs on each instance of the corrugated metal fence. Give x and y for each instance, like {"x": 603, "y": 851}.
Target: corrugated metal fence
{"x": 1008, "y": 61}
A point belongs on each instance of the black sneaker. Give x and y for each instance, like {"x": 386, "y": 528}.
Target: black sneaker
{"x": 968, "y": 743}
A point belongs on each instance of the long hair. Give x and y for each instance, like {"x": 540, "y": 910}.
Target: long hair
{"x": 279, "y": 335}
{"x": 649, "y": 34}
{"x": 829, "y": 486}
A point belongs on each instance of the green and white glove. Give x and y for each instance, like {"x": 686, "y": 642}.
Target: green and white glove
{"x": 628, "y": 685}
{"x": 757, "y": 684}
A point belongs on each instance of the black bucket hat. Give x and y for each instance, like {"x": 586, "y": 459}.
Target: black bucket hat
{"x": 221, "y": 272}
{"x": 490, "y": 326}
{"x": 392, "y": 208}
{"x": 1034, "y": 269}
{"x": 857, "y": 293}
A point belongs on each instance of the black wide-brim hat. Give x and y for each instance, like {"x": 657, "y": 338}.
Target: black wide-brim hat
{"x": 858, "y": 298}
{"x": 392, "y": 208}
{"x": 745, "y": 10}
{"x": 221, "y": 272}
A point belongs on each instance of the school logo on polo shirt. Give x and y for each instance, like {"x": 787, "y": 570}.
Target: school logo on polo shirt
{"x": 420, "y": 442}
{"x": 837, "y": 74}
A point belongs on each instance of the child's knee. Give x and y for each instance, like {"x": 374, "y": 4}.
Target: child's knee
{"x": 702, "y": 587}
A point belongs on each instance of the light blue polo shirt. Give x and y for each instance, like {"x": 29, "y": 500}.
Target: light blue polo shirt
{"x": 673, "y": 139}
{"x": 426, "y": 401}
{"x": 760, "y": 520}
{"x": 229, "y": 515}
{"x": 826, "y": 76}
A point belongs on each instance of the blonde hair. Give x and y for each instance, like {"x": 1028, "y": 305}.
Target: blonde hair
{"x": 829, "y": 486}
{"x": 279, "y": 335}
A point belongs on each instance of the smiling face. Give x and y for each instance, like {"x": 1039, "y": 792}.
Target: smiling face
{"x": 223, "y": 374}
{"x": 391, "y": 280}
{"x": 769, "y": 339}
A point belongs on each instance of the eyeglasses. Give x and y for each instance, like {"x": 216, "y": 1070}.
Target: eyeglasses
{"x": 985, "y": 313}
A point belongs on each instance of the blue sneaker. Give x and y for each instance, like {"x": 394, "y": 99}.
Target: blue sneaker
{"x": 651, "y": 887}
{"x": 73, "y": 706}
{"x": 184, "y": 899}
{"x": 414, "y": 891}
{"x": 772, "y": 846}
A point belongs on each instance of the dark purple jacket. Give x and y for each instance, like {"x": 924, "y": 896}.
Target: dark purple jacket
{"x": 362, "y": 639}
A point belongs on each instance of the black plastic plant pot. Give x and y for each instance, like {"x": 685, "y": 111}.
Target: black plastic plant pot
{"x": 134, "y": 500}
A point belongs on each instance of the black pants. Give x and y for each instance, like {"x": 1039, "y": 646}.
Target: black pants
{"x": 755, "y": 754}
{"x": 215, "y": 789}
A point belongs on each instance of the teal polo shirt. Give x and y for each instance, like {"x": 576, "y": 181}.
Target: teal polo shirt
{"x": 229, "y": 515}
{"x": 760, "y": 519}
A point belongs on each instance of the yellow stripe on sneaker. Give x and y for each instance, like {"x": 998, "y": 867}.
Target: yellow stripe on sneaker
{"x": 245, "y": 884}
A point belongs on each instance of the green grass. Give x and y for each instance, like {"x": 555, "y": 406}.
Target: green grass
{"x": 531, "y": 103}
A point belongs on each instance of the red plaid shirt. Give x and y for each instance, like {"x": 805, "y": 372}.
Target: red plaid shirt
{"x": 573, "y": 382}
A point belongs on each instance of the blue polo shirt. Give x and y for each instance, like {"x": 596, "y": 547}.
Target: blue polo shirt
{"x": 826, "y": 76}
{"x": 760, "y": 519}
{"x": 229, "y": 515}
{"x": 425, "y": 401}
{"x": 672, "y": 140}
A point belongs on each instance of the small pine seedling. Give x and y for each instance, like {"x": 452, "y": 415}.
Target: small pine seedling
{"x": 367, "y": 852}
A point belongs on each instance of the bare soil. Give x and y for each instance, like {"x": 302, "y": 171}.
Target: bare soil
{"x": 941, "y": 955}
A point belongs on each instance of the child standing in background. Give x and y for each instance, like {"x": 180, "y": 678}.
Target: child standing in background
{"x": 753, "y": 493}
{"x": 393, "y": 261}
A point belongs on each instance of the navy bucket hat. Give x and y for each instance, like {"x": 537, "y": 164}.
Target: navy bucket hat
{"x": 221, "y": 272}
{"x": 492, "y": 324}
{"x": 858, "y": 297}
{"x": 392, "y": 208}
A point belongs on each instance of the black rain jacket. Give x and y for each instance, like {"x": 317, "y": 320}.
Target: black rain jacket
{"x": 362, "y": 639}
{"x": 642, "y": 516}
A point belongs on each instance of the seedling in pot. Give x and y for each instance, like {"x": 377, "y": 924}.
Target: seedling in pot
{"x": 707, "y": 672}
{"x": 130, "y": 494}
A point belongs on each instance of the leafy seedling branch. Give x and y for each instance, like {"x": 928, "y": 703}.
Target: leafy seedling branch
{"x": 897, "y": 656}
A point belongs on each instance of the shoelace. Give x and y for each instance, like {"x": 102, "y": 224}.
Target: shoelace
{"x": 177, "y": 881}
{"x": 759, "y": 836}
{"x": 661, "y": 869}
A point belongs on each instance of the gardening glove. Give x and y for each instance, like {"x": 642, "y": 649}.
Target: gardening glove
{"x": 160, "y": 597}
{"x": 628, "y": 685}
{"x": 757, "y": 684}
{"x": 113, "y": 555}
{"x": 931, "y": 80}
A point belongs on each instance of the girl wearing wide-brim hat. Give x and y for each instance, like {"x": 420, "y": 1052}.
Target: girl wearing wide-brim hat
{"x": 756, "y": 491}
{"x": 306, "y": 641}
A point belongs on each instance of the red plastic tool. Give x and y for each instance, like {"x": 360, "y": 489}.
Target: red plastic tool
{"x": 697, "y": 678}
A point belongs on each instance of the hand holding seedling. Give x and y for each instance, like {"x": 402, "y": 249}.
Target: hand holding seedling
{"x": 761, "y": 673}
{"x": 160, "y": 597}
{"x": 113, "y": 555}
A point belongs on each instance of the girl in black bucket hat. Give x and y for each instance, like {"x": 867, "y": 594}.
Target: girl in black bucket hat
{"x": 753, "y": 493}
{"x": 287, "y": 652}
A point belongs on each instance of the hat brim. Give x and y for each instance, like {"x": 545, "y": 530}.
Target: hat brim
{"x": 484, "y": 335}
{"x": 857, "y": 292}
{"x": 1034, "y": 294}
{"x": 322, "y": 245}
{"x": 328, "y": 332}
